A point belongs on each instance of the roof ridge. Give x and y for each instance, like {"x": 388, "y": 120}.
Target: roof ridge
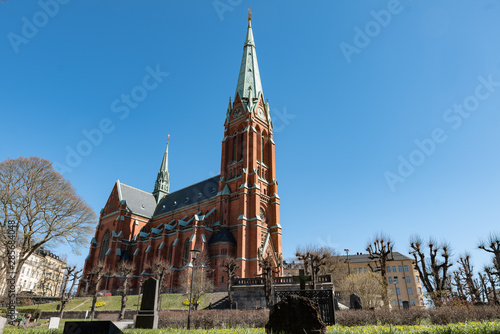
{"x": 194, "y": 184}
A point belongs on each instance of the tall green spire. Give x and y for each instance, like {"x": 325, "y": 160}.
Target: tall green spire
{"x": 249, "y": 84}
{"x": 162, "y": 184}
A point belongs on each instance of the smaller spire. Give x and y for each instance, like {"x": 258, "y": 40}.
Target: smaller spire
{"x": 162, "y": 184}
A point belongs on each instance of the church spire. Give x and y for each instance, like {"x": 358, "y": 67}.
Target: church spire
{"x": 162, "y": 184}
{"x": 249, "y": 78}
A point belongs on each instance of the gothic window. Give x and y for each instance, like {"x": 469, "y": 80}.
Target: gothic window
{"x": 171, "y": 253}
{"x": 262, "y": 148}
{"x": 234, "y": 147}
{"x": 186, "y": 251}
{"x": 104, "y": 246}
{"x": 241, "y": 146}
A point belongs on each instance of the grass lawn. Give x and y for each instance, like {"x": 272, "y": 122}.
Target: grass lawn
{"x": 168, "y": 301}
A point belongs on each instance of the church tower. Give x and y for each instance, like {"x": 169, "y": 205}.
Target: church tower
{"x": 248, "y": 171}
{"x": 162, "y": 184}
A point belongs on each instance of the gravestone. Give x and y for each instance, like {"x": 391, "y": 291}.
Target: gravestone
{"x": 91, "y": 327}
{"x": 295, "y": 315}
{"x": 355, "y": 302}
{"x": 148, "y": 315}
{"x": 54, "y": 322}
{"x": 3, "y": 322}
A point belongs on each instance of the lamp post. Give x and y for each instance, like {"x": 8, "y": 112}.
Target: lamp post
{"x": 194, "y": 253}
{"x": 396, "y": 290}
{"x": 348, "y": 265}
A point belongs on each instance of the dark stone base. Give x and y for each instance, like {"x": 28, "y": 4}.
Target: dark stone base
{"x": 147, "y": 320}
{"x": 91, "y": 327}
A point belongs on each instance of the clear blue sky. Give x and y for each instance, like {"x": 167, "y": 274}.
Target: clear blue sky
{"x": 351, "y": 92}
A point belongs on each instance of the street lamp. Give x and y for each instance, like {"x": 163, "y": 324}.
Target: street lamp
{"x": 194, "y": 253}
{"x": 348, "y": 265}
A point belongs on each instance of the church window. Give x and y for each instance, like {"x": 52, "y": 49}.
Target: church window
{"x": 171, "y": 252}
{"x": 104, "y": 246}
{"x": 234, "y": 147}
{"x": 186, "y": 251}
{"x": 241, "y": 146}
{"x": 262, "y": 148}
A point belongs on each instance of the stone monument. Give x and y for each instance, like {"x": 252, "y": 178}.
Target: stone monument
{"x": 148, "y": 315}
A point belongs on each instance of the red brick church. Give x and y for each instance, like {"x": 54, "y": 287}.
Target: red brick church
{"x": 235, "y": 214}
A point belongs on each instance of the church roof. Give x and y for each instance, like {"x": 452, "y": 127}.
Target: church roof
{"x": 224, "y": 235}
{"x": 190, "y": 195}
{"x": 138, "y": 201}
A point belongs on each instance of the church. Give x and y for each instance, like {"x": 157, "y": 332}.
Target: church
{"x": 233, "y": 215}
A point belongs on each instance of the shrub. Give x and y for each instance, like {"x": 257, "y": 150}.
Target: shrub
{"x": 214, "y": 319}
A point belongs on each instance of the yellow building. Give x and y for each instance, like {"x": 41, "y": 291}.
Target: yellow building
{"x": 405, "y": 287}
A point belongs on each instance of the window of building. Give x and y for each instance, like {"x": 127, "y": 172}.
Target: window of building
{"x": 408, "y": 279}
{"x": 388, "y": 269}
{"x": 394, "y": 303}
{"x": 410, "y": 291}
{"x": 393, "y": 269}
{"x": 234, "y": 147}
{"x": 390, "y": 280}
{"x": 365, "y": 269}
{"x": 417, "y": 279}
{"x": 412, "y": 302}
{"x": 395, "y": 279}
{"x": 406, "y": 268}
{"x": 355, "y": 270}
{"x": 400, "y": 303}
{"x": 421, "y": 302}
{"x": 419, "y": 290}
{"x": 397, "y": 291}
{"x": 400, "y": 269}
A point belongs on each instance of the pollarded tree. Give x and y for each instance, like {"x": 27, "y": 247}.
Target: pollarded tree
{"x": 230, "y": 267}
{"x": 466, "y": 272}
{"x": 368, "y": 286}
{"x": 42, "y": 207}
{"x": 124, "y": 271}
{"x": 159, "y": 268}
{"x": 433, "y": 271}
{"x": 492, "y": 245}
{"x": 72, "y": 275}
{"x": 96, "y": 275}
{"x": 493, "y": 283}
{"x": 380, "y": 250}
{"x": 314, "y": 259}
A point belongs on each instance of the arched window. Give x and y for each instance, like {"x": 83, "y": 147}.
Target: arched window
{"x": 104, "y": 246}
{"x": 234, "y": 146}
{"x": 241, "y": 146}
{"x": 186, "y": 251}
{"x": 262, "y": 148}
{"x": 171, "y": 253}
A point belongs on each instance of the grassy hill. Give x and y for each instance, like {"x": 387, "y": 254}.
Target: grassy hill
{"x": 169, "y": 301}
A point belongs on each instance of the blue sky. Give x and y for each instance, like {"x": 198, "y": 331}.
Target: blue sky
{"x": 386, "y": 113}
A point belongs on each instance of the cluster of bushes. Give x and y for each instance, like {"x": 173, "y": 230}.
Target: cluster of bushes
{"x": 437, "y": 316}
{"x": 214, "y": 319}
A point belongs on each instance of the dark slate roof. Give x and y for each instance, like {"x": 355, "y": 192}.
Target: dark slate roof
{"x": 138, "y": 201}
{"x": 190, "y": 195}
{"x": 360, "y": 258}
{"x": 224, "y": 235}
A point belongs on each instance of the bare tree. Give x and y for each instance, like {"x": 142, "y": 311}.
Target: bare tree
{"x": 380, "y": 250}
{"x": 432, "y": 270}
{"x": 44, "y": 207}
{"x": 493, "y": 281}
{"x": 485, "y": 292}
{"x": 315, "y": 259}
{"x": 465, "y": 270}
{"x": 368, "y": 286}
{"x": 202, "y": 282}
{"x": 160, "y": 268}
{"x": 124, "y": 271}
{"x": 97, "y": 274}
{"x": 71, "y": 275}
{"x": 230, "y": 268}
{"x": 492, "y": 245}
